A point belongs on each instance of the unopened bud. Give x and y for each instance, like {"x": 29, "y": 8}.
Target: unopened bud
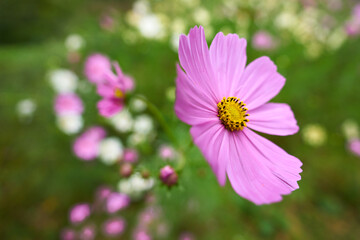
{"x": 168, "y": 176}
{"x": 126, "y": 170}
{"x": 145, "y": 174}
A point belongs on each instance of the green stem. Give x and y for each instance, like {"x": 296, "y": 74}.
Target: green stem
{"x": 159, "y": 117}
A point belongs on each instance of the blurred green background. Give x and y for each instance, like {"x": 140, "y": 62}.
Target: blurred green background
{"x": 40, "y": 179}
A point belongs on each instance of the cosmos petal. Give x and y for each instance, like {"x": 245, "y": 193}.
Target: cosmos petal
{"x": 273, "y": 118}
{"x": 228, "y": 58}
{"x": 195, "y": 60}
{"x": 191, "y": 105}
{"x": 212, "y": 139}
{"x": 260, "y": 171}
{"x": 109, "y": 107}
{"x": 105, "y": 90}
{"x": 259, "y": 83}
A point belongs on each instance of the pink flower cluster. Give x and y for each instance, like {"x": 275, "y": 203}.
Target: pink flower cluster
{"x": 86, "y": 146}
{"x": 105, "y": 200}
{"x": 111, "y": 86}
{"x": 352, "y": 27}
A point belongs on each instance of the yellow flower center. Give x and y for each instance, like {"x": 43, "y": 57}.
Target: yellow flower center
{"x": 119, "y": 93}
{"x": 232, "y": 113}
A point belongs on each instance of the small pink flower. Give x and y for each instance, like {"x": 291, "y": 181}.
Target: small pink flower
{"x": 103, "y": 193}
{"x": 87, "y": 233}
{"x": 68, "y": 234}
{"x": 168, "y": 176}
{"x": 68, "y": 103}
{"x": 113, "y": 92}
{"x": 116, "y": 202}
{"x": 352, "y": 28}
{"x": 130, "y": 155}
{"x": 96, "y": 68}
{"x": 262, "y": 40}
{"x": 167, "y": 152}
{"x": 354, "y": 146}
{"x": 79, "y": 213}
{"x": 86, "y": 146}
{"x": 114, "y": 226}
{"x": 141, "y": 234}
{"x": 186, "y": 236}
{"x": 211, "y": 96}
{"x": 107, "y": 22}
{"x": 356, "y": 12}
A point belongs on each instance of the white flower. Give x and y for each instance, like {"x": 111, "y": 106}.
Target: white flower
{"x": 314, "y": 135}
{"x": 25, "y": 108}
{"x": 350, "y": 129}
{"x": 136, "y": 139}
{"x": 111, "y": 149}
{"x": 137, "y": 105}
{"x": 150, "y": 26}
{"x": 174, "y": 41}
{"x": 74, "y": 42}
{"x": 141, "y": 7}
{"x": 201, "y": 16}
{"x": 70, "y": 123}
{"x": 123, "y": 121}
{"x": 143, "y": 124}
{"x": 63, "y": 80}
{"x": 135, "y": 186}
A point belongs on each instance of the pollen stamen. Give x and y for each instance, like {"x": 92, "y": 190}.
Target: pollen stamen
{"x": 118, "y": 93}
{"x": 232, "y": 113}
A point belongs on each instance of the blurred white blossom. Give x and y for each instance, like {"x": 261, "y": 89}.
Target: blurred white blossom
{"x": 137, "y": 105}
{"x": 143, "y": 124}
{"x": 70, "y": 123}
{"x": 63, "y": 80}
{"x": 135, "y": 186}
{"x": 150, "y": 26}
{"x": 74, "y": 42}
{"x": 26, "y": 108}
{"x": 314, "y": 135}
{"x": 111, "y": 149}
{"x": 350, "y": 129}
{"x": 122, "y": 121}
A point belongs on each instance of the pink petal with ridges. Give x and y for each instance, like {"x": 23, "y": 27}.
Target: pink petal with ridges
{"x": 259, "y": 83}
{"x": 228, "y": 58}
{"x": 195, "y": 60}
{"x": 274, "y": 119}
{"x": 212, "y": 140}
{"x": 191, "y": 105}
{"x": 259, "y": 170}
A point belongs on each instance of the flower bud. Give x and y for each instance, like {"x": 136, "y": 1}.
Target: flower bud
{"x": 168, "y": 176}
{"x": 126, "y": 170}
{"x": 145, "y": 174}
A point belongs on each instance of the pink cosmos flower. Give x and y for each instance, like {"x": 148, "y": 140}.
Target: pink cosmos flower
{"x": 116, "y": 202}
{"x": 211, "y": 96}
{"x": 79, "y": 213}
{"x": 87, "y": 233}
{"x": 68, "y": 103}
{"x": 96, "y": 68}
{"x": 68, "y": 234}
{"x": 113, "y": 92}
{"x": 86, "y": 146}
{"x": 130, "y": 155}
{"x": 354, "y": 146}
{"x": 167, "y": 152}
{"x": 141, "y": 234}
{"x": 263, "y": 41}
{"x": 114, "y": 226}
